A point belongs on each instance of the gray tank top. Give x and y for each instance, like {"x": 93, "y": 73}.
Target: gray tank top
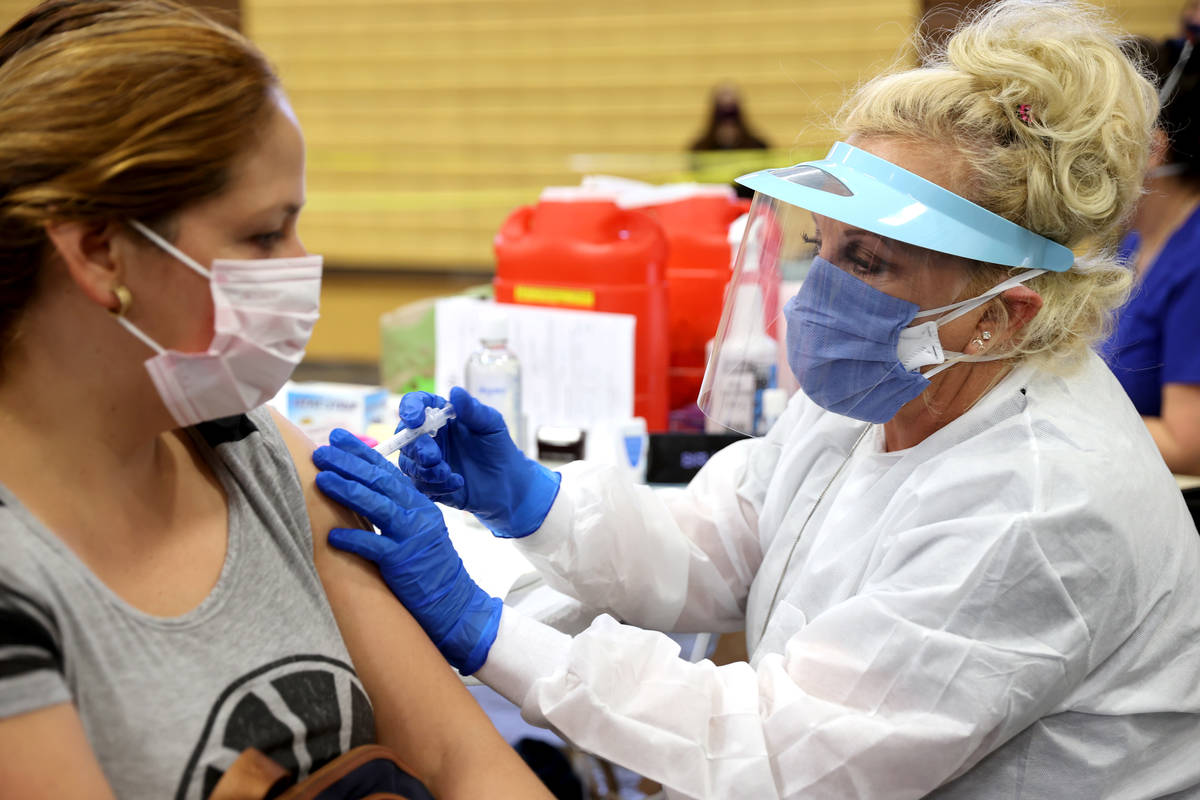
{"x": 168, "y": 703}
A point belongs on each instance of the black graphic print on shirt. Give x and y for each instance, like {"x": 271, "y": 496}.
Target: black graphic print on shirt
{"x": 301, "y": 711}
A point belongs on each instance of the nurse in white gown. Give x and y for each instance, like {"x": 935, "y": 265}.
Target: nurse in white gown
{"x": 960, "y": 562}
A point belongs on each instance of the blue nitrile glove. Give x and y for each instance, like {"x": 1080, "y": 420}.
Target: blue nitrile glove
{"x": 414, "y": 553}
{"x": 473, "y": 464}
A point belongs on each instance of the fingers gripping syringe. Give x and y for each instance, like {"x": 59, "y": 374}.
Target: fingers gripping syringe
{"x": 435, "y": 418}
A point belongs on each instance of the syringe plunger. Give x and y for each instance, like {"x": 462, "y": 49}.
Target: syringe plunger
{"x": 435, "y": 418}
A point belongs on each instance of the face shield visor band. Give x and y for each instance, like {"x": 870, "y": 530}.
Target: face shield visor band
{"x": 863, "y": 190}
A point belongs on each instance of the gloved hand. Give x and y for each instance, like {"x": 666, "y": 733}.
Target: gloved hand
{"x": 414, "y": 553}
{"x": 473, "y": 464}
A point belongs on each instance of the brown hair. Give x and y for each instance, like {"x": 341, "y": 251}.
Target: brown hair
{"x": 112, "y": 110}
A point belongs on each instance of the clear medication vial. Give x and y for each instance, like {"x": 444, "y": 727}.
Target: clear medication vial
{"x": 493, "y": 374}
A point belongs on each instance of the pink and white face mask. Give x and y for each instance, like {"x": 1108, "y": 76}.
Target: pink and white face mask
{"x": 265, "y": 310}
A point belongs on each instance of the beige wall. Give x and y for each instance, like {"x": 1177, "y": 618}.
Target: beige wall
{"x": 352, "y": 302}
{"x": 428, "y": 121}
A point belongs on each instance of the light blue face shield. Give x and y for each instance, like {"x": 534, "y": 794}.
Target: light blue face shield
{"x": 894, "y": 234}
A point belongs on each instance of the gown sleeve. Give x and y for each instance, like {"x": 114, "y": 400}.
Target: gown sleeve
{"x": 965, "y": 633}
{"x": 670, "y": 559}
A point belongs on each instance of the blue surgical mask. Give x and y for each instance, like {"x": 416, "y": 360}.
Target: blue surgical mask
{"x": 852, "y": 349}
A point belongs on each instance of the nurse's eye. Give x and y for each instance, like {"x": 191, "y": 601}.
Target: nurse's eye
{"x": 864, "y": 263}
{"x": 813, "y": 242}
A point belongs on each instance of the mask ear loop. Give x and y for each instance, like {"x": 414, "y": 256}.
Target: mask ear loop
{"x": 1168, "y": 86}
{"x": 136, "y": 331}
{"x": 965, "y": 306}
{"x": 171, "y": 249}
{"x": 958, "y": 309}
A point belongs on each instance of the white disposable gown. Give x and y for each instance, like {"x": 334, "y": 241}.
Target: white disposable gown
{"x": 1009, "y": 609}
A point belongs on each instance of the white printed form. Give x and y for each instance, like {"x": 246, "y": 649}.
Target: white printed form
{"x": 576, "y": 366}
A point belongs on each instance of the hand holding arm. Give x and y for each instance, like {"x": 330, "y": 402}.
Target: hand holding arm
{"x": 414, "y": 553}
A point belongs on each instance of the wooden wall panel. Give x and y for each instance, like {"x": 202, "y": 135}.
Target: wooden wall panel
{"x": 1157, "y": 18}
{"x": 429, "y": 120}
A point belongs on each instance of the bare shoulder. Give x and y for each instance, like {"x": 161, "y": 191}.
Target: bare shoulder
{"x": 322, "y": 512}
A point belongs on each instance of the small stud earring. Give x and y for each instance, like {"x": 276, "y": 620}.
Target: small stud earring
{"x": 986, "y": 335}
{"x": 978, "y": 343}
{"x": 124, "y": 300}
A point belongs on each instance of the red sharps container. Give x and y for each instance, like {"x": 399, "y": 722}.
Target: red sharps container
{"x": 576, "y": 249}
{"x": 696, "y": 220}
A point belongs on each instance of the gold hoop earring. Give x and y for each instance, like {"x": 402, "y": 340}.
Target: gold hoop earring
{"x": 124, "y": 300}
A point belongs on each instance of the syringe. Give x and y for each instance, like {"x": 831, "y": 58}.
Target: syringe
{"x": 435, "y": 418}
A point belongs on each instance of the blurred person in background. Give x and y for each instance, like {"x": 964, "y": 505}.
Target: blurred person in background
{"x": 164, "y": 608}
{"x": 727, "y": 131}
{"x": 1189, "y": 20}
{"x": 1154, "y": 350}
{"x": 962, "y": 567}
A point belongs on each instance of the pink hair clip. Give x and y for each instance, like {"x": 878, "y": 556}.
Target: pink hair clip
{"x": 1023, "y": 113}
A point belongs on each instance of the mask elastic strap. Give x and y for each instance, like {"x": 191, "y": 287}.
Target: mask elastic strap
{"x": 136, "y": 331}
{"x": 1168, "y": 86}
{"x": 965, "y": 306}
{"x": 170, "y": 248}
{"x": 956, "y": 358}
{"x": 958, "y": 309}
{"x": 1167, "y": 170}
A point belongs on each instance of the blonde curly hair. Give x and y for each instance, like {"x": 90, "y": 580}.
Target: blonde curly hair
{"x": 1054, "y": 124}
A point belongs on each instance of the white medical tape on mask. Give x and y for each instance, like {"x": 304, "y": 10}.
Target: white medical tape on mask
{"x": 956, "y": 358}
{"x": 920, "y": 345}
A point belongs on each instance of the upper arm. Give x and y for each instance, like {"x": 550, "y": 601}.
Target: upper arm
{"x": 45, "y": 754}
{"x": 44, "y": 751}
{"x": 422, "y": 709}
